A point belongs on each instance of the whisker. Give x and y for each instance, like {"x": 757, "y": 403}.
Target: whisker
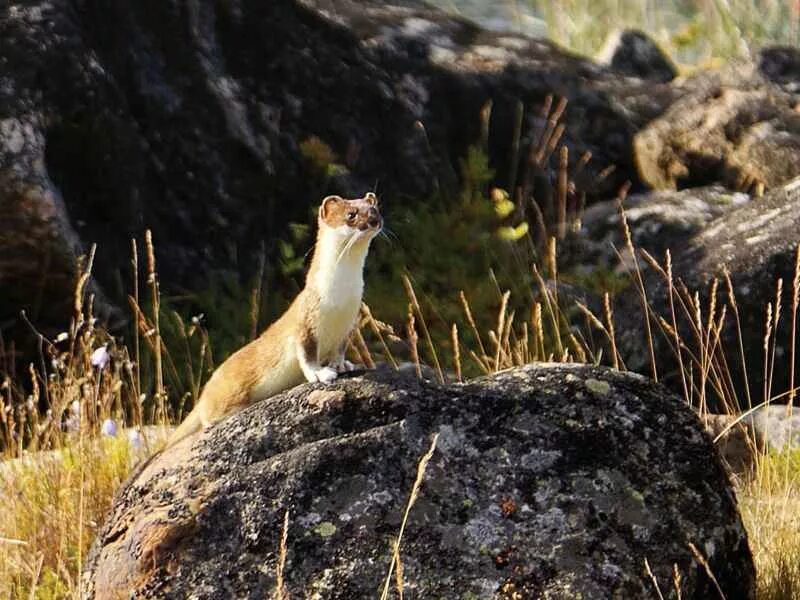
{"x": 388, "y": 232}
{"x": 310, "y": 250}
{"x": 387, "y": 238}
{"x": 349, "y": 244}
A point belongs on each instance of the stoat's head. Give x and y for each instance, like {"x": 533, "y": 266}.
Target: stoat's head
{"x": 352, "y": 221}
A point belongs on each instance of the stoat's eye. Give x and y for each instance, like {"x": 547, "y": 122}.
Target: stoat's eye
{"x": 351, "y": 215}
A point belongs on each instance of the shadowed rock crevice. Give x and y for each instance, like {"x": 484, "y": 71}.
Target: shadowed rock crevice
{"x": 546, "y": 481}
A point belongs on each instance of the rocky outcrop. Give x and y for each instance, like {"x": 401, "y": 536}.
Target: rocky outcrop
{"x": 552, "y": 481}
{"x": 216, "y": 124}
{"x": 734, "y": 127}
{"x": 658, "y": 221}
{"x": 757, "y": 243}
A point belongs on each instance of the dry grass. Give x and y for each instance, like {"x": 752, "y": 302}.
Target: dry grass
{"x": 770, "y": 505}
{"x": 52, "y": 506}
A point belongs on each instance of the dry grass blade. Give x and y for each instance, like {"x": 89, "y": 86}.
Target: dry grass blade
{"x": 152, "y": 279}
{"x": 597, "y": 323}
{"x": 413, "y": 341}
{"x": 399, "y": 586}
{"x": 551, "y": 311}
{"x": 563, "y": 165}
{"x": 676, "y": 581}
{"x": 541, "y": 227}
{"x": 701, "y": 559}
{"x": 778, "y": 304}
{"x": 255, "y": 294}
{"x": 650, "y": 574}
{"x": 35, "y": 576}
{"x": 497, "y": 339}
{"x": 473, "y": 325}
{"x": 740, "y": 338}
{"x": 639, "y": 279}
{"x": 362, "y": 349}
{"x": 612, "y": 336}
{"x": 678, "y": 349}
{"x": 650, "y": 260}
{"x": 421, "y": 466}
{"x": 280, "y": 585}
{"x": 767, "y": 337}
{"x": 376, "y": 329}
{"x": 793, "y": 339}
{"x": 413, "y": 297}
{"x": 538, "y": 327}
{"x": 456, "y": 352}
{"x": 552, "y": 143}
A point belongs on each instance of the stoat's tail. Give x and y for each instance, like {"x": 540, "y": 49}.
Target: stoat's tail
{"x": 189, "y": 425}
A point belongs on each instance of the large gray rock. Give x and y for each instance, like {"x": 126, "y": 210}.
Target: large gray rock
{"x": 658, "y": 221}
{"x": 217, "y": 124}
{"x": 550, "y": 481}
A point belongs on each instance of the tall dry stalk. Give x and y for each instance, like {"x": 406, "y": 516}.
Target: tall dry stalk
{"x": 793, "y": 338}
{"x": 471, "y": 320}
{"x": 376, "y": 328}
{"x": 561, "y": 220}
{"x": 456, "y": 353}
{"x": 415, "y": 304}
{"x": 137, "y": 355}
{"x": 639, "y": 279}
{"x": 421, "y": 466}
{"x": 280, "y": 583}
{"x": 152, "y": 280}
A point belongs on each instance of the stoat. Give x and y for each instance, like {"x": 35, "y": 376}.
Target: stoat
{"x": 308, "y": 342}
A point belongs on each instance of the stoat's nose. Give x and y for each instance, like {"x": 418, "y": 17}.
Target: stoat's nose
{"x": 373, "y": 218}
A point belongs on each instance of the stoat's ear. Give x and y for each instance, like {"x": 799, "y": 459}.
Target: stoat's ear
{"x": 327, "y": 205}
{"x": 371, "y": 198}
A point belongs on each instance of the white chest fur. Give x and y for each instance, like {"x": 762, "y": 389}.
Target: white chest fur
{"x": 340, "y": 284}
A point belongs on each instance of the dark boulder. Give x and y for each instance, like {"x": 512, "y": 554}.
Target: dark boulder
{"x": 781, "y": 64}
{"x": 634, "y": 53}
{"x": 217, "y": 124}
{"x": 734, "y": 127}
{"x": 757, "y": 243}
{"x": 552, "y": 481}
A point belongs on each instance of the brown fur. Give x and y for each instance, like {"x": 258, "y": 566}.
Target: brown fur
{"x": 266, "y": 366}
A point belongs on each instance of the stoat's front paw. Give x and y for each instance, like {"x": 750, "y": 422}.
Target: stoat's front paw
{"x": 345, "y": 366}
{"x": 326, "y": 375}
